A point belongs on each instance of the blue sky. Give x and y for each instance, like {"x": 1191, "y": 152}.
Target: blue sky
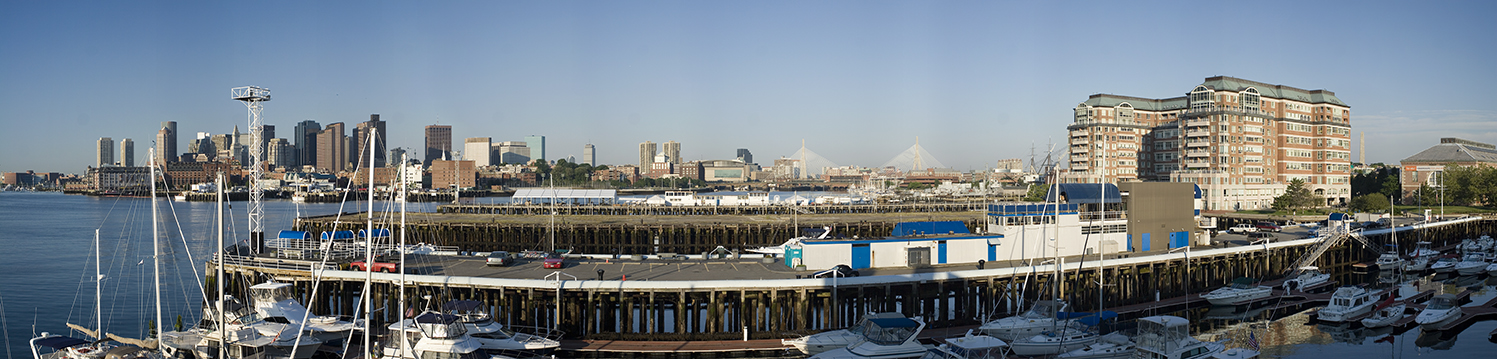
{"x": 858, "y": 80}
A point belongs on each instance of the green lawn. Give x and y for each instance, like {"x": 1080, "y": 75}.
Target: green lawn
{"x": 1411, "y": 210}
{"x": 1303, "y": 212}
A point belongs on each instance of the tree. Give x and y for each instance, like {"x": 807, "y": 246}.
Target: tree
{"x": 1036, "y": 192}
{"x": 1374, "y": 202}
{"x": 542, "y": 168}
{"x": 1295, "y": 197}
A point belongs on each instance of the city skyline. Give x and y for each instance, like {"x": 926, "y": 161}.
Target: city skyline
{"x": 979, "y": 82}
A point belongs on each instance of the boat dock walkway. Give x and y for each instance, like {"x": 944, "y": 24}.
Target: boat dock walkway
{"x": 761, "y": 347}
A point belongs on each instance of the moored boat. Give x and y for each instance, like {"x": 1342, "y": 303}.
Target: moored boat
{"x": 1072, "y": 337}
{"x": 1348, "y": 302}
{"x": 883, "y": 338}
{"x": 969, "y": 346}
{"x": 1167, "y": 336}
{"x": 1385, "y": 315}
{"x": 1110, "y": 346}
{"x": 1472, "y": 264}
{"x": 1044, "y": 315}
{"x": 1446, "y": 264}
{"x": 1242, "y": 289}
{"x": 1309, "y": 276}
{"x": 825, "y": 341}
{"x": 1441, "y": 310}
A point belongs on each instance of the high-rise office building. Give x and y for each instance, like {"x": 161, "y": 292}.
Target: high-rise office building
{"x": 397, "y": 155}
{"x": 166, "y": 142}
{"x": 745, "y": 156}
{"x": 127, "y": 152}
{"x": 646, "y": 154}
{"x": 280, "y": 153}
{"x": 513, "y": 152}
{"x": 589, "y": 155}
{"x": 1241, "y": 141}
{"x": 361, "y": 133}
{"x": 305, "y": 137}
{"x": 537, "y": 145}
{"x": 438, "y": 143}
{"x": 332, "y": 151}
{"x": 672, "y": 149}
{"x": 477, "y": 149}
{"x": 104, "y": 154}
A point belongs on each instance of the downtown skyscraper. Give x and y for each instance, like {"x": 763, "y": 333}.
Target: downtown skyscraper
{"x": 438, "y": 143}
{"x": 166, "y": 142}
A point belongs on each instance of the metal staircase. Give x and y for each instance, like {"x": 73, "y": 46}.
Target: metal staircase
{"x": 1333, "y": 238}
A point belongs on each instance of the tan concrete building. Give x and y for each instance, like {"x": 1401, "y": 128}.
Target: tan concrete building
{"x": 1242, "y": 141}
{"x": 1428, "y": 167}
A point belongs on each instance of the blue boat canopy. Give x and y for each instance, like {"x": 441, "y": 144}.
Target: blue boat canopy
{"x": 1084, "y": 193}
{"x": 462, "y": 305}
{"x": 904, "y": 229}
{"x": 1096, "y": 318}
{"x": 337, "y": 235}
{"x": 60, "y": 342}
{"x": 1340, "y": 217}
{"x": 378, "y": 232}
{"x": 304, "y": 235}
{"x": 894, "y": 322}
{"x": 436, "y": 318}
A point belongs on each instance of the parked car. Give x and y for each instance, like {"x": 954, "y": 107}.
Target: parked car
{"x": 840, "y": 270}
{"x": 500, "y": 258}
{"x": 1243, "y": 228}
{"x": 553, "y": 261}
{"x": 385, "y": 263}
{"x": 1260, "y": 236}
{"x": 1372, "y": 225}
{"x": 1268, "y": 227}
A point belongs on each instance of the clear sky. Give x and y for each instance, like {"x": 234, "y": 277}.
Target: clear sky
{"x": 858, "y": 80}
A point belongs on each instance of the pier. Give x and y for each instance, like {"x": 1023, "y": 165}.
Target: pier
{"x": 723, "y": 298}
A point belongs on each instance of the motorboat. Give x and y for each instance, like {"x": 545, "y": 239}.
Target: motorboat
{"x": 1422, "y": 249}
{"x": 494, "y": 336}
{"x": 1474, "y": 263}
{"x": 1235, "y": 353}
{"x": 1309, "y": 276}
{"x": 431, "y": 335}
{"x": 1044, "y": 315}
{"x": 1167, "y": 336}
{"x": 1072, "y": 337}
{"x": 1348, "y": 302}
{"x": 1110, "y": 346}
{"x": 244, "y": 333}
{"x": 809, "y": 234}
{"x": 1242, "y": 289}
{"x": 969, "y": 346}
{"x": 1389, "y": 261}
{"x": 1446, "y": 264}
{"x": 276, "y": 302}
{"x": 1384, "y": 316}
{"x": 1492, "y": 268}
{"x": 1485, "y": 243}
{"x": 824, "y": 341}
{"x": 1441, "y": 310}
{"x": 883, "y": 338}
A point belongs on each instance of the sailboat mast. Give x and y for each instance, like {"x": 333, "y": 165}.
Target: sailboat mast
{"x": 156, "y": 247}
{"x": 403, "y": 200}
{"x": 98, "y": 290}
{"x": 219, "y": 277}
{"x": 369, "y": 248}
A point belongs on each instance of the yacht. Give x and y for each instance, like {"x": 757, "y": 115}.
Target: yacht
{"x": 1051, "y": 342}
{"x": 431, "y": 335}
{"x": 1386, "y": 315}
{"x": 824, "y": 341}
{"x": 49, "y": 346}
{"x": 494, "y": 337}
{"x": 1348, "y": 302}
{"x": 1389, "y": 261}
{"x": 969, "y": 346}
{"x": 1242, "y": 289}
{"x": 809, "y": 234}
{"x": 1422, "y": 249}
{"x": 1044, "y": 315}
{"x": 1474, "y": 263}
{"x": 1441, "y": 310}
{"x": 1308, "y": 277}
{"x": 245, "y": 333}
{"x": 883, "y": 338}
{"x": 276, "y": 303}
{"x": 1492, "y": 268}
{"x": 1445, "y": 264}
{"x": 1167, "y": 336}
{"x": 1111, "y": 346}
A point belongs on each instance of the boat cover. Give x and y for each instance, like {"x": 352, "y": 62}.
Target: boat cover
{"x": 378, "y": 232}
{"x": 462, "y": 305}
{"x": 894, "y": 322}
{"x": 60, "y": 342}
{"x": 294, "y": 235}
{"x": 337, "y": 235}
{"x": 436, "y": 318}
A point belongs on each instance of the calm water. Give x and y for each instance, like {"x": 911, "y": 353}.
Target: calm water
{"x": 46, "y": 271}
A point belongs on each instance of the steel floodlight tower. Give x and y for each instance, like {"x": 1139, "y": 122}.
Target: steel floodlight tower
{"x": 253, "y": 97}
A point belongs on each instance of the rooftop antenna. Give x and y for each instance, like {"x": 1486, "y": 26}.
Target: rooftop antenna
{"x": 253, "y": 98}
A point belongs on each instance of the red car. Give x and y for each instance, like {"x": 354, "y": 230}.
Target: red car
{"x": 381, "y": 264}
{"x": 553, "y": 262}
{"x": 1268, "y": 226}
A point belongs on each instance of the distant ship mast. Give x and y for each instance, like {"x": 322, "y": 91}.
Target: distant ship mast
{"x": 253, "y": 97}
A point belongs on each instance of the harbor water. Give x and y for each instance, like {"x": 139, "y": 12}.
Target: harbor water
{"x": 48, "y": 270}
